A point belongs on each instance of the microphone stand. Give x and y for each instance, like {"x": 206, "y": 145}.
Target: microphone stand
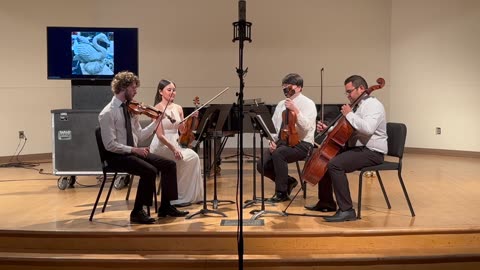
{"x": 242, "y": 33}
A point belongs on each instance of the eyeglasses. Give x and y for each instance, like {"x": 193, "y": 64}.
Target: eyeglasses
{"x": 348, "y": 92}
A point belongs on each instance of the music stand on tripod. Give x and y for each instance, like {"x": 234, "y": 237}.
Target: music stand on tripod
{"x": 258, "y": 109}
{"x": 264, "y": 133}
{"x": 203, "y": 135}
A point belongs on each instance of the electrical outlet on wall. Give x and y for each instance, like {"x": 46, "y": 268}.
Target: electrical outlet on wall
{"x": 438, "y": 130}
{"x": 21, "y": 134}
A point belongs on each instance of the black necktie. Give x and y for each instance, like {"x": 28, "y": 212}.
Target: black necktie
{"x": 128, "y": 125}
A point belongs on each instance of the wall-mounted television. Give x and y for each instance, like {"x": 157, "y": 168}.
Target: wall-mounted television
{"x": 90, "y": 52}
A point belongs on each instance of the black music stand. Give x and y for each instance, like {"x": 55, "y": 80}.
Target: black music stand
{"x": 254, "y": 110}
{"x": 203, "y": 135}
{"x": 217, "y": 115}
{"x": 264, "y": 132}
{"x": 247, "y": 126}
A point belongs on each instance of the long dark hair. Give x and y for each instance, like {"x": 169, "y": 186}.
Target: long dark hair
{"x": 162, "y": 84}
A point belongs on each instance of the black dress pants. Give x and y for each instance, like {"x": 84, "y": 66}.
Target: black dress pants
{"x": 275, "y": 165}
{"x": 345, "y": 162}
{"x": 147, "y": 168}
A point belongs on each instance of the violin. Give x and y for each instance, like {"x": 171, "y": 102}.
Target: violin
{"x": 187, "y": 137}
{"x": 288, "y": 132}
{"x": 316, "y": 165}
{"x": 138, "y": 108}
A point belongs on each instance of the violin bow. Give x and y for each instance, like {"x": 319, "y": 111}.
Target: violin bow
{"x": 321, "y": 94}
{"x": 205, "y": 104}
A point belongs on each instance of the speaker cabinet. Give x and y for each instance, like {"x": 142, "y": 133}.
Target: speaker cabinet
{"x": 75, "y": 149}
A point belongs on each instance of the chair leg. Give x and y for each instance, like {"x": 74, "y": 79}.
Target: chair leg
{"x": 405, "y": 193}
{"x": 360, "y": 180}
{"x": 155, "y": 197}
{"x": 383, "y": 190}
{"x": 129, "y": 187}
{"x": 159, "y": 186}
{"x": 98, "y": 196}
{"x": 302, "y": 183}
{"x": 109, "y": 192}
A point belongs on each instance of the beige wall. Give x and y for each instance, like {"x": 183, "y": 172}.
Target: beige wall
{"x": 189, "y": 41}
{"x": 434, "y": 70}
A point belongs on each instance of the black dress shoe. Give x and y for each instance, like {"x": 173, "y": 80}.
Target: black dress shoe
{"x": 292, "y": 183}
{"x": 322, "y": 207}
{"x": 279, "y": 197}
{"x": 139, "y": 216}
{"x": 170, "y": 210}
{"x": 341, "y": 216}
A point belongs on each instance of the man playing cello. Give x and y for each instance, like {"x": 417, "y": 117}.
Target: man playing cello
{"x": 366, "y": 147}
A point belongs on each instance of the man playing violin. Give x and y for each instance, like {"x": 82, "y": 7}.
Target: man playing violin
{"x": 120, "y": 134}
{"x": 280, "y": 152}
{"x": 366, "y": 147}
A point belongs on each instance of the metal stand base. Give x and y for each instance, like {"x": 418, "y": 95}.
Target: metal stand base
{"x": 258, "y": 213}
{"x": 249, "y": 203}
{"x": 205, "y": 212}
{"x": 215, "y": 202}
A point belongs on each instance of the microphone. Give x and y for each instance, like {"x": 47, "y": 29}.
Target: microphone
{"x": 242, "y": 10}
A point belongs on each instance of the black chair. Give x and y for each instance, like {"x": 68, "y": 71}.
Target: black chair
{"x": 397, "y": 134}
{"x": 108, "y": 170}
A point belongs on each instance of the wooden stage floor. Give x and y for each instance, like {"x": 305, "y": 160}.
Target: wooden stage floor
{"x": 445, "y": 193}
{"x": 444, "y": 190}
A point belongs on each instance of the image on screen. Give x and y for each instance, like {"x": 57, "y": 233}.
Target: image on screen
{"x": 92, "y": 53}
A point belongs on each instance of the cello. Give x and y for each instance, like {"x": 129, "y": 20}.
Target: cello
{"x": 316, "y": 165}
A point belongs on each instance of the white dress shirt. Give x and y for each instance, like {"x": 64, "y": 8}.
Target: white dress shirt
{"x": 114, "y": 132}
{"x": 306, "y": 118}
{"x": 370, "y": 125}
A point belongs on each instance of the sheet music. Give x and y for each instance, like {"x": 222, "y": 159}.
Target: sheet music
{"x": 263, "y": 127}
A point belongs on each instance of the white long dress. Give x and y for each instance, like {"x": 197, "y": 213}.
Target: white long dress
{"x": 189, "y": 177}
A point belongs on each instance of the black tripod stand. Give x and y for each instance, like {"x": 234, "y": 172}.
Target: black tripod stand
{"x": 204, "y": 210}
{"x": 254, "y": 199}
{"x": 264, "y": 133}
{"x": 262, "y": 110}
{"x": 216, "y": 159}
{"x": 241, "y": 32}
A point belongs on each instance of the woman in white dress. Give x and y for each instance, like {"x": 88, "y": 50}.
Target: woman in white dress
{"x": 165, "y": 144}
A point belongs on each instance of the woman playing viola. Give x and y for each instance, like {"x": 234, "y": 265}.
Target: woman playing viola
{"x": 165, "y": 144}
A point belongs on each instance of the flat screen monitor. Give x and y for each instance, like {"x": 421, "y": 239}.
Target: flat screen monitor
{"x": 90, "y": 52}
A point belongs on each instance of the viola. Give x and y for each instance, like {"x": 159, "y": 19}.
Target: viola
{"x": 187, "y": 137}
{"x": 288, "y": 132}
{"x": 316, "y": 165}
{"x": 139, "y": 108}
